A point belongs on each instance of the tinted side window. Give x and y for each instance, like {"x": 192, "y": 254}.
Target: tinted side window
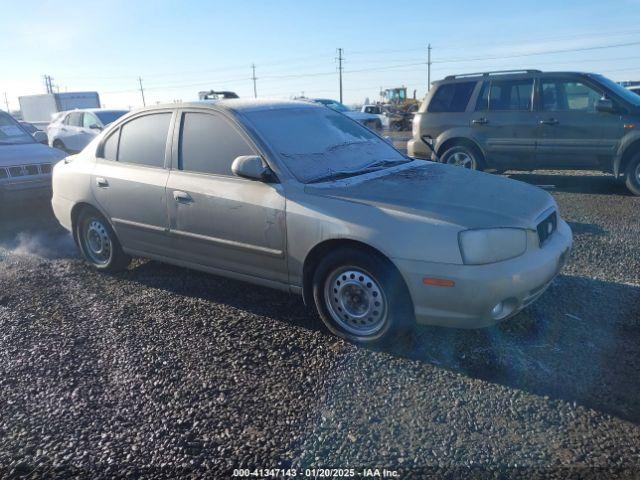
{"x": 110, "y": 146}
{"x": 568, "y": 95}
{"x": 143, "y": 140}
{"x": 210, "y": 144}
{"x": 510, "y": 95}
{"x": 452, "y": 97}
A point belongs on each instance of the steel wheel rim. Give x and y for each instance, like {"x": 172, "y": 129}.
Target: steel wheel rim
{"x": 97, "y": 242}
{"x": 461, "y": 159}
{"x": 355, "y": 301}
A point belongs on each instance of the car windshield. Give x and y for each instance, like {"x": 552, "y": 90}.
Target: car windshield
{"x": 109, "y": 116}
{"x": 333, "y": 105}
{"x": 11, "y": 133}
{"x": 317, "y": 144}
{"x": 619, "y": 90}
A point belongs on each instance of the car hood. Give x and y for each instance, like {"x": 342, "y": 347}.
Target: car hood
{"x": 445, "y": 193}
{"x": 28, "y": 153}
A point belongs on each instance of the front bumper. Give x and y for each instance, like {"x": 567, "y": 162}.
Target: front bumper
{"x": 479, "y": 288}
{"x": 24, "y": 191}
{"x": 417, "y": 149}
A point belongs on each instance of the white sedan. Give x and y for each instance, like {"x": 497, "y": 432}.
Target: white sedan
{"x": 72, "y": 131}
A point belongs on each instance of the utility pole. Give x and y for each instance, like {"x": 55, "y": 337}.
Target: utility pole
{"x": 144, "y": 104}
{"x": 340, "y": 59}
{"x": 255, "y": 90}
{"x": 47, "y": 83}
{"x": 6, "y": 102}
{"x": 428, "y": 67}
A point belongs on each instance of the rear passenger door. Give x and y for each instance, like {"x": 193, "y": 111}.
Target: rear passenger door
{"x": 505, "y": 123}
{"x": 129, "y": 181}
{"x": 220, "y": 220}
{"x": 571, "y": 133}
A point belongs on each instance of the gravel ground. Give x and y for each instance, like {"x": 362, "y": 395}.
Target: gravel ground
{"x": 162, "y": 372}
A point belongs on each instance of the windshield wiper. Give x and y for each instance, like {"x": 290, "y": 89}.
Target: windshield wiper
{"x": 372, "y": 167}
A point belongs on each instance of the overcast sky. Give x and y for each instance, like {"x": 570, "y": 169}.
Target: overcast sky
{"x": 179, "y": 48}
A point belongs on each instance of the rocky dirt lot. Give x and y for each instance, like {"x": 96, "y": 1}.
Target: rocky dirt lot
{"x": 162, "y": 372}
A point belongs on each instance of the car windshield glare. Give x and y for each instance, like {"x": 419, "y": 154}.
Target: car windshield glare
{"x": 317, "y": 142}
{"x": 107, "y": 117}
{"x": 11, "y": 133}
{"x": 619, "y": 90}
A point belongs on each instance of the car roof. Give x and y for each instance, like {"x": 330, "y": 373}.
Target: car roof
{"x": 237, "y": 105}
{"x": 479, "y": 76}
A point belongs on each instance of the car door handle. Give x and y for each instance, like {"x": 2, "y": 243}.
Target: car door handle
{"x": 480, "y": 121}
{"x": 182, "y": 197}
{"x": 102, "y": 182}
{"x": 551, "y": 121}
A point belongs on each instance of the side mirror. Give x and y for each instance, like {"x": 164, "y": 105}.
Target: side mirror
{"x": 40, "y": 137}
{"x": 95, "y": 126}
{"x": 605, "y": 105}
{"x": 253, "y": 168}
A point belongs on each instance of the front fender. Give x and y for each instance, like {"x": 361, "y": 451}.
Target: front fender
{"x": 628, "y": 141}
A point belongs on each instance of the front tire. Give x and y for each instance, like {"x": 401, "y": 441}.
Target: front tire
{"x": 361, "y": 296}
{"x": 632, "y": 180}
{"x": 98, "y": 242}
{"x": 462, "y": 156}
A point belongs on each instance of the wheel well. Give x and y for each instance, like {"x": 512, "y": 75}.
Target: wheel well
{"x": 318, "y": 252}
{"x": 451, "y": 142}
{"x": 627, "y": 155}
{"x": 75, "y": 213}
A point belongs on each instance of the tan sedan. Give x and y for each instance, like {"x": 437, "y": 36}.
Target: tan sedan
{"x": 298, "y": 197}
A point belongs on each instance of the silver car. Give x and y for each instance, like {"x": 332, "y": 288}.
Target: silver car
{"x": 295, "y": 196}
{"x": 25, "y": 164}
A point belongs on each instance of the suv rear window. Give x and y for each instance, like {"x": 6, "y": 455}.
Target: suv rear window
{"x": 451, "y": 97}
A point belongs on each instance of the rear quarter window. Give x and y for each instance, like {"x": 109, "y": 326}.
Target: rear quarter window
{"x": 451, "y": 97}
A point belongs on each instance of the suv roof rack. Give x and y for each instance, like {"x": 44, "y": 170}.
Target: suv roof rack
{"x": 486, "y": 74}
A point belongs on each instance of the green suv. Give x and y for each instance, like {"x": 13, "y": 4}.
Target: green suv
{"x": 528, "y": 120}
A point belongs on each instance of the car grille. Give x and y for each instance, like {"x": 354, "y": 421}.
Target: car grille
{"x": 546, "y": 227}
{"x": 25, "y": 170}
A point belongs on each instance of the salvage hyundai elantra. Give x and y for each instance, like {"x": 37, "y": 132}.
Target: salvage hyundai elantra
{"x": 295, "y": 196}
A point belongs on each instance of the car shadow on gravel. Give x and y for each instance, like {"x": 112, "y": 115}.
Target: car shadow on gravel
{"x": 574, "y": 344}
{"x": 254, "y": 299}
{"x": 573, "y": 183}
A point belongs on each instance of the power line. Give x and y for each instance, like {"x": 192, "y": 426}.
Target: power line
{"x": 546, "y": 52}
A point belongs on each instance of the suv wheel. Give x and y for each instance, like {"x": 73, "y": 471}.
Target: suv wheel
{"x": 462, "y": 156}
{"x": 633, "y": 174}
{"x": 360, "y": 296}
{"x": 98, "y": 242}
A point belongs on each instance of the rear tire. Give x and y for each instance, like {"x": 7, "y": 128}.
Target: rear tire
{"x": 462, "y": 156}
{"x": 98, "y": 242}
{"x": 632, "y": 180}
{"x": 361, "y": 296}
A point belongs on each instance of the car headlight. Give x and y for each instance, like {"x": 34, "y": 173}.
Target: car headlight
{"x": 491, "y": 245}
{"x": 415, "y": 127}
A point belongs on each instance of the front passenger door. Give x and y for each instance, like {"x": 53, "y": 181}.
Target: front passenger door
{"x": 571, "y": 133}
{"x": 221, "y": 220}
